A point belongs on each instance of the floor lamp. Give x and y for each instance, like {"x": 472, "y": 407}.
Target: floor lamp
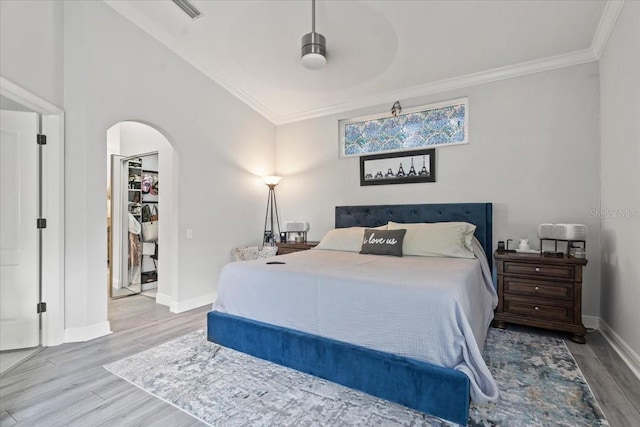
{"x": 269, "y": 238}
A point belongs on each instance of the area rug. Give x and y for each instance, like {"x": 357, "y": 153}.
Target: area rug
{"x": 540, "y": 385}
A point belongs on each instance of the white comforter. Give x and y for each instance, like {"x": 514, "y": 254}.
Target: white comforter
{"x": 436, "y": 310}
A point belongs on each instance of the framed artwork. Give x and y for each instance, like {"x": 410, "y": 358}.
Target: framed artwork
{"x": 398, "y": 168}
{"x": 426, "y": 126}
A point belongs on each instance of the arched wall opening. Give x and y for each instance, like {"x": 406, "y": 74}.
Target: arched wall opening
{"x": 134, "y": 138}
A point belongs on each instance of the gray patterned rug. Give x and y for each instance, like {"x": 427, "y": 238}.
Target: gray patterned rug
{"x": 540, "y": 385}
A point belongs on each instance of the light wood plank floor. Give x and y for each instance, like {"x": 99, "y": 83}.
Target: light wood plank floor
{"x": 66, "y": 385}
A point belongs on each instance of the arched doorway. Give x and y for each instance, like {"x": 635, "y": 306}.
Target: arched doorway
{"x": 142, "y": 178}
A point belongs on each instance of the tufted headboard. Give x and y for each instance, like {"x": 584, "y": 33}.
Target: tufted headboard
{"x": 479, "y": 214}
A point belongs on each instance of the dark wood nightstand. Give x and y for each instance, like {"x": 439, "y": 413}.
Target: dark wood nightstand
{"x": 287, "y": 248}
{"x": 539, "y": 291}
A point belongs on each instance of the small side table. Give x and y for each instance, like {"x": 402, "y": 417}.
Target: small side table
{"x": 288, "y": 247}
{"x": 539, "y": 291}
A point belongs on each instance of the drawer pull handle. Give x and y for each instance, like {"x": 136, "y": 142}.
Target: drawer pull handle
{"x": 536, "y": 308}
{"x": 538, "y": 269}
{"x": 536, "y": 288}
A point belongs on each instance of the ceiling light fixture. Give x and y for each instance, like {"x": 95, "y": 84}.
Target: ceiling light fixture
{"x": 188, "y": 8}
{"x": 314, "y": 45}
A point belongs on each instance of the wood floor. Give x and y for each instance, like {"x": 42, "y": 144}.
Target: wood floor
{"x": 66, "y": 385}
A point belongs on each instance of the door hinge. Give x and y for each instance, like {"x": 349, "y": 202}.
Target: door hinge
{"x": 41, "y": 307}
{"x": 41, "y": 139}
{"x": 41, "y": 223}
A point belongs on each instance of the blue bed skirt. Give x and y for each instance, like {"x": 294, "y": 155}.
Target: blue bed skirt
{"x": 428, "y": 388}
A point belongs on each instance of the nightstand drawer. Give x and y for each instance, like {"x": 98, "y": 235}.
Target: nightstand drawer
{"x": 542, "y": 289}
{"x": 560, "y": 311}
{"x": 541, "y": 269}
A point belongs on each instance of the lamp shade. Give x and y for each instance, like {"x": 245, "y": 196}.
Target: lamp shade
{"x": 271, "y": 180}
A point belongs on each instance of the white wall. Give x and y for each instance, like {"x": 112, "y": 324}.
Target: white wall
{"x": 533, "y": 152}
{"x": 115, "y": 72}
{"x": 138, "y": 138}
{"x": 620, "y": 154}
{"x": 31, "y": 46}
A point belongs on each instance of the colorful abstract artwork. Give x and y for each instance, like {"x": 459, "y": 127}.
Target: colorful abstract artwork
{"x": 422, "y": 127}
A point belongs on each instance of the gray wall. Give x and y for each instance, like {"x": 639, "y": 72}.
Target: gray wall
{"x": 620, "y": 104}
{"x": 8, "y": 104}
{"x": 534, "y": 152}
{"x": 31, "y": 46}
{"x": 116, "y": 72}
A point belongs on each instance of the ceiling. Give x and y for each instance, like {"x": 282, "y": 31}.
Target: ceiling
{"x": 378, "y": 51}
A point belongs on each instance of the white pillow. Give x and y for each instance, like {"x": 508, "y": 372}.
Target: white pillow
{"x": 443, "y": 239}
{"x": 344, "y": 239}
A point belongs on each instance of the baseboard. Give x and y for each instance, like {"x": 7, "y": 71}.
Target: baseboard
{"x": 87, "y": 333}
{"x": 623, "y": 349}
{"x": 163, "y": 299}
{"x": 591, "y": 322}
{"x": 190, "y": 304}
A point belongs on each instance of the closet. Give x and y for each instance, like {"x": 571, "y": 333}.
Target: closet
{"x": 135, "y": 219}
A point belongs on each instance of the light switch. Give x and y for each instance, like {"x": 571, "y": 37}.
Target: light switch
{"x": 189, "y": 233}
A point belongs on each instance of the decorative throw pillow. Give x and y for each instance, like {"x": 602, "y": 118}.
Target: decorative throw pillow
{"x": 382, "y": 242}
{"x": 344, "y": 239}
{"x": 439, "y": 239}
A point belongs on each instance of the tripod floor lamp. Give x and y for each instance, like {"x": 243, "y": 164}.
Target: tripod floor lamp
{"x": 269, "y": 238}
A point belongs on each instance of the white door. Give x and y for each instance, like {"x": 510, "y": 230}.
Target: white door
{"x": 19, "y": 289}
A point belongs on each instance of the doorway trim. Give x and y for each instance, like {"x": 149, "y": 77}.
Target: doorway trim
{"x": 168, "y": 289}
{"x": 52, "y": 207}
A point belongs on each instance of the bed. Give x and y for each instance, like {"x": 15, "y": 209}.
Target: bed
{"x": 413, "y": 337}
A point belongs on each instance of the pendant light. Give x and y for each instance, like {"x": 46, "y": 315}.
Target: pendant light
{"x": 314, "y": 45}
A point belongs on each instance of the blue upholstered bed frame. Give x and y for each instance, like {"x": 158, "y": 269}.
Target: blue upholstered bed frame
{"x": 439, "y": 391}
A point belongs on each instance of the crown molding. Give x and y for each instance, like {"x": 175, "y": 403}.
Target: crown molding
{"x": 132, "y": 14}
{"x": 483, "y": 77}
{"x": 605, "y": 26}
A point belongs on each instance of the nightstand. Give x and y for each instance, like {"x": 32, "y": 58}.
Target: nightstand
{"x": 539, "y": 291}
{"x": 288, "y": 247}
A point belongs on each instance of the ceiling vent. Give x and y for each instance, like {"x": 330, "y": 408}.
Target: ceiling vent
{"x": 188, "y": 8}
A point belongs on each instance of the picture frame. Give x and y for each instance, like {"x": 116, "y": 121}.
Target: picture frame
{"x": 433, "y": 125}
{"x": 406, "y": 167}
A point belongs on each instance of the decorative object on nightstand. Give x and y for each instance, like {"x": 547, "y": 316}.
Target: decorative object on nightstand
{"x": 288, "y": 247}
{"x": 540, "y": 291}
{"x": 572, "y": 236}
{"x": 269, "y": 237}
{"x": 295, "y": 231}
